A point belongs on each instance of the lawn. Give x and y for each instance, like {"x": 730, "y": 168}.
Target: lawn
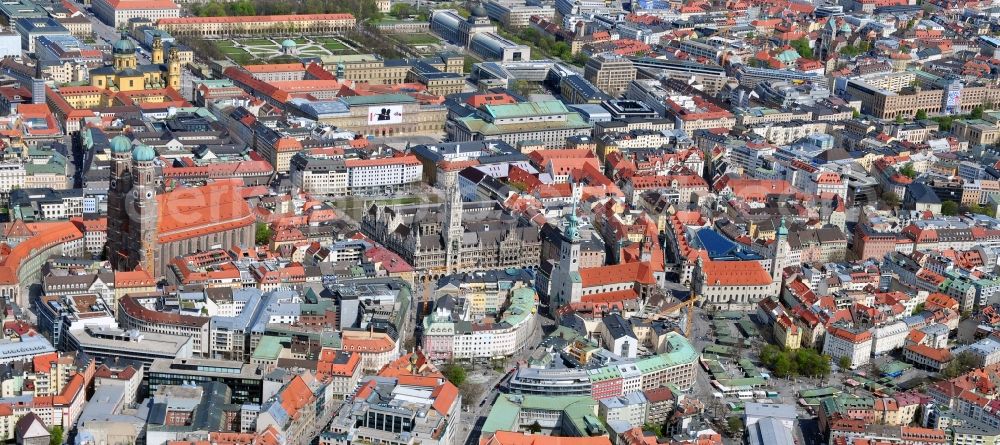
{"x": 257, "y": 50}
{"x": 420, "y": 38}
{"x": 336, "y": 48}
{"x": 224, "y": 44}
{"x": 468, "y": 62}
{"x": 243, "y": 58}
{"x": 330, "y": 44}
{"x": 238, "y": 55}
{"x": 256, "y": 42}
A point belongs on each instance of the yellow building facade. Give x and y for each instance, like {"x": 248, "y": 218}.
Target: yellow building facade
{"x": 125, "y": 74}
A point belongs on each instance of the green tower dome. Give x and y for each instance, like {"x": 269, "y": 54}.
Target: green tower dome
{"x": 123, "y": 46}
{"x": 143, "y": 153}
{"x": 121, "y": 144}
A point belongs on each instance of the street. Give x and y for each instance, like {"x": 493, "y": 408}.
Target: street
{"x": 473, "y": 420}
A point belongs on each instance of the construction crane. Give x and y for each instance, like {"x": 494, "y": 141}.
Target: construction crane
{"x": 687, "y": 304}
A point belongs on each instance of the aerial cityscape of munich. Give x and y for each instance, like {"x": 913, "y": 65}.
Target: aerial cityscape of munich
{"x": 500, "y": 222}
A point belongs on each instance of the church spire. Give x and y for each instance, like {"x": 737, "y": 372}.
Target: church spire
{"x": 572, "y": 225}
{"x": 781, "y": 249}
{"x": 454, "y": 230}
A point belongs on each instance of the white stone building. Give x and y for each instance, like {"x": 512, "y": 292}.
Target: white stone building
{"x": 630, "y": 408}
{"x": 889, "y": 337}
{"x": 855, "y": 344}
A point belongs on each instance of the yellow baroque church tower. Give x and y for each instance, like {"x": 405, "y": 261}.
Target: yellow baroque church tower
{"x": 125, "y": 74}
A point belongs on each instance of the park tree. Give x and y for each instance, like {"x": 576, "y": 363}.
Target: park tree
{"x": 890, "y": 199}
{"x": 944, "y": 122}
{"x": 961, "y": 364}
{"x": 908, "y": 170}
{"x": 949, "y": 208}
{"x": 850, "y": 51}
{"x": 735, "y": 425}
{"x": 535, "y": 428}
{"x": 801, "y": 46}
{"x": 844, "y": 362}
{"x": 210, "y": 9}
{"x": 522, "y": 87}
{"x": 530, "y": 35}
{"x": 401, "y": 10}
{"x": 653, "y": 428}
{"x": 56, "y": 435}
{"x": 562, "y": 50}
{"x": 243, "y": 8}
{"x": 202, "y": 47}
{"x": 790, "y": 363}
{"x": 454, "y": 372}
{"x": 784, "y": 366}
{"x": 262, "y": 234}
{"x": 811, "y": 363}
{"x": 982, "y": 210}
{"x": 921, "y": 115}
{"x": 471, "y": 393}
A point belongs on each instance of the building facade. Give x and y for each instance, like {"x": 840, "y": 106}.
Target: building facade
{"x": 267, "y": 25}
{"x": 612, "y": 74}
{"x": 117, "y": 13}
{"x": 439, "y": 239}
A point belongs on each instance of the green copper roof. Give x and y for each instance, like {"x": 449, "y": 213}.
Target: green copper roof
{"x": 477, "y": 125}
{"x": 505, "y": 414}
{"x": 526, "y": 109}
{"x": 123, "y": 46}
{"x": 605, "y": 373}
{"x": 522, "y": 301}
{"x": 269, "y": 348}
{"x": 143, "y": 153}
{"x": 121, "y": 144}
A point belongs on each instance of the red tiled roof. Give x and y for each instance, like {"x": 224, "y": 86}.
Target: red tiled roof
{"x": 617, "y": 273}
{"x": 389, "y": 260}
{"x": 379, "y": 162}
{"x": 132, "y": 279}
{"x": 369, "y": 345}
{"x": 853, "y": 337}
{"x": 515, "y": 438}
{"x": 326, "y": 364}
{"x": 252, "y": 18}
{"x": 48, "y": 235}
{"x": 43, "y": 363}
{"x": 735, "y": 273}
{"x": 274, "y": 67}
{"x": 444, "y": 397}
{"x": 133, "y": 309}
{"x": 142, "y": 4}
{"x": 295, "y": 395}
{"x": 936, "y": 354}
{"x": 195, "y": 211}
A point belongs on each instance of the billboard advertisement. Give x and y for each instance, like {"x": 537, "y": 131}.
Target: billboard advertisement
{"x": 385, "y": 114}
